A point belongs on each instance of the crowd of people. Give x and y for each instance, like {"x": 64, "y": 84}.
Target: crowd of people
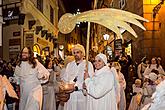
{"x": 76, "y": 84}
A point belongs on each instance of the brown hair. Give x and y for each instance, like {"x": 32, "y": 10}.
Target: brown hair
{"x": 31, "y": 59}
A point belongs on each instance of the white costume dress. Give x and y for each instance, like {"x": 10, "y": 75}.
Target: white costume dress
{"x": 101, "y": 90}
{"x": 153, "y": 67}
{"x": 141, "y": 68}
{"x": 30, "y": 85}
{"x": 158, "y": 97}
{"x": 77, "y": 100}
{"x": 49, "y": 89}
{"x": 134, "y": 104}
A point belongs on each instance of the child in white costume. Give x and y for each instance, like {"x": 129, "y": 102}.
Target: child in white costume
{"x": 137, "y": 90}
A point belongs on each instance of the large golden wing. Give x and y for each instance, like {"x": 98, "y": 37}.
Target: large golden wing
{"x": 108, "y": 17}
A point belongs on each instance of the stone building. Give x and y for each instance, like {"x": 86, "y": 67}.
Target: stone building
{"x": 149, "y": 43}
{"x": 30, "y": 23}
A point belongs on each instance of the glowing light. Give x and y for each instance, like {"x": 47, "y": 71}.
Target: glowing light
{"x": 106, "y": 36}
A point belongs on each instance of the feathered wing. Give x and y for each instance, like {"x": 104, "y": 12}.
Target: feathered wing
{"x": 108, "y": 17}
{"x": 9, "y": 87}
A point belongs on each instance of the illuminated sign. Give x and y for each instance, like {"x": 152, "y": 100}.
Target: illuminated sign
{"x": 11, "y": 13}
{"x": 118, "y": 44}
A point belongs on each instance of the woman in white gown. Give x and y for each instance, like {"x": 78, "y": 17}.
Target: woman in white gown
{"x": 49, "y": 89}
{"x": 100, "y": 87}
{"x": 122, "y": 83}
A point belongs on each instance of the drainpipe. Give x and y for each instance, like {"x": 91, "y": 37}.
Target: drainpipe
{"x": 1, "y": 21}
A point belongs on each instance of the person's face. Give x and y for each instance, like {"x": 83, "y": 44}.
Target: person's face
{"x": 153, "y": 61}
{"x": 147, "y": 61}
{"x": 50, "y": 64}
{"x": 25, "y": 54}
{"x": 137, "y": 84}
{"x": 78, "y": 55}
{"x": 98, "y": 63}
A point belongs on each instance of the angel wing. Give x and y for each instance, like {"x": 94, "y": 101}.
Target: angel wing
{"x": 9, "y": 87}
{"x": 108, "y": 17}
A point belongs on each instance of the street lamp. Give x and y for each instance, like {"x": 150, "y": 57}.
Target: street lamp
{"x": 106, "y": 37}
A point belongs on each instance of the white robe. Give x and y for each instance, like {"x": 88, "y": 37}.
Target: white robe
{"x": 77, "y": 100}
{"x": 122, "y": 82}
{"x": 153, "y": 67}
{"x": 30, "y": 85}
{"x": 158, "y": 97}
{"x": 134, "y": 104}
{"x": 101, "y": 90}
{"x": 141, "y": 68}
{"x": 116, "y": 84}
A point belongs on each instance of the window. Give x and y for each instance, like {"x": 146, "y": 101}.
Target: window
{"x": 51, "y": 15}
{"x": 40, "y": 5}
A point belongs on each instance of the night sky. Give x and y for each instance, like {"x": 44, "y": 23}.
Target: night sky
{"x": 73, "y": 5}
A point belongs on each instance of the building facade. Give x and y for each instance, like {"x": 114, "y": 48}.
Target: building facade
{"x": 153, "y": 40}
{"x": 150, "y": 43}
{"x": 31, "y": 23}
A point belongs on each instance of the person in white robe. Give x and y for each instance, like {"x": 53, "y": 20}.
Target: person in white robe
{"x": 149, "y": 88}
{"x": 67, "y": 60}
{"x": 100, "y": 87}
{"x": 137, "y": 92}
{"x": 50, "y": 88}
{"x": 154, "y": 66}
{"x": 75, "y": 73}
{"x": 122, "y": 84}
{"x": 30, "y": 74}
{"x": 141, "y": 68}
{"x": 158, "y": 98}
{"x": 116, "y": 84}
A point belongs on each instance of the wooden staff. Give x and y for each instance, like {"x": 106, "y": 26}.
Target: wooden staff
{"x": 87, "y": 46}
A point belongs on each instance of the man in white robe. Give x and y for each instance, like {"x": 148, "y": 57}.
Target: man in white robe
{"x": 75, "y": 73}
{"x": 30, "y": 74}
{"x": 101, "y": 87}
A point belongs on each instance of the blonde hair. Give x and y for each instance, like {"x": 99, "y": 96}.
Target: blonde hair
{"x": 116, "y": 65}
{"x": 138, "y": 81}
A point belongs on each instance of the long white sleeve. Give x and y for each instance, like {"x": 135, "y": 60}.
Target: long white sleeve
{"x": 100, "y": 86}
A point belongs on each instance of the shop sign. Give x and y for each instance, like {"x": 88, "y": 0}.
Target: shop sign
{"x": 11, "y": 13}
{"x": 13, "y": 42}
{"x": 118, "y": 44}
{"x": 118, "y": 47}
{"x": 18, "y": 33}
{"x": 15, "y": 48}
{"x": 29, "y": 39}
